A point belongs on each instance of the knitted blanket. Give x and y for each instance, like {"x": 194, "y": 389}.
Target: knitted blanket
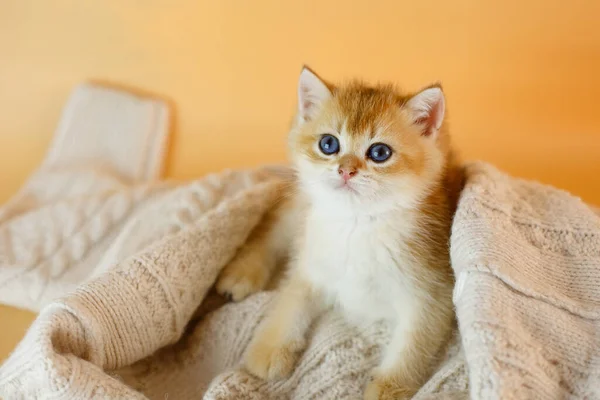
{"x": 120, "y": 268}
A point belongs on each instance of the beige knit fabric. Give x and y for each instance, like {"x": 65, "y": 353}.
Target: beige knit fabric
{"x": 118, "y": 268}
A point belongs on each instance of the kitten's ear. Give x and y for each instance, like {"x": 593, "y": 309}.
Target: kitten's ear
{"x": 312, "y": 92}
{"x": 427, "y": 109}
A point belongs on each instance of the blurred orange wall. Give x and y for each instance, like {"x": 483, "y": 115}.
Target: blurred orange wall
{"x": 521, "y": 77}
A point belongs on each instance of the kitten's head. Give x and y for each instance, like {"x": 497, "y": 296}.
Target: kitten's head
{"x": 364, "y": 148}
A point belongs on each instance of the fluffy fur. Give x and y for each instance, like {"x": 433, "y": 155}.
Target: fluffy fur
{"x": 374, "y": 247}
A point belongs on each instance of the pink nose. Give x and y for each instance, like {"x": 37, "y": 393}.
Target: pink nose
{"x": 346, "y": 173}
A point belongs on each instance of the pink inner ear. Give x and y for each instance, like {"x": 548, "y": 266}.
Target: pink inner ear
{"x": 421, "y": 121}
{"x": 430, "y": 121}
{"x": 427, "y": 123}
{"x": 307, "y": 103}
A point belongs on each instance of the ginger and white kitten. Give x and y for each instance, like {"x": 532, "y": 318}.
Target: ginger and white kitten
{"x": 370, "y": 222}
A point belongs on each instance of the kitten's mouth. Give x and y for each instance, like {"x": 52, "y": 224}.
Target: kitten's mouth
{"x": 346, "y": 187}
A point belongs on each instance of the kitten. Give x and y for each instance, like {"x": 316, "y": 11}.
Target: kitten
{"x": 376, "y": 191}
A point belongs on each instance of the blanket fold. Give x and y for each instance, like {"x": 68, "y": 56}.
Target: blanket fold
{"x": 527, "y": 261}
{"x": 117, "y": 266}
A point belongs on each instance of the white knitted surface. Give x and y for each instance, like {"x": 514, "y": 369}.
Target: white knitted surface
{"x": 118, "y": 267}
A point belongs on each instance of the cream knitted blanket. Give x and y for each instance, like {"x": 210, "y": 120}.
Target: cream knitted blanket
{"x": 117, "y": 266}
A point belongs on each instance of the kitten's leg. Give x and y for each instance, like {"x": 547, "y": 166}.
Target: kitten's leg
{"x": 410, "y": 357}
{"x": 280, "y": 339}
{"x": 254, "y": 264}
{"x": 250, "y": 269}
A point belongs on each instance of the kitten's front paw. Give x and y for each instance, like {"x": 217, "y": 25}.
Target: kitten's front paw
{"x": 271, "y": 362}
{"x": 246, "y": 274}
{"x": 382, "y": 388}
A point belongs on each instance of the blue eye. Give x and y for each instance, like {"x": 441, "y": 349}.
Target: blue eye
{"x": 379, "y": 152}
{"x": 329, "y": 144}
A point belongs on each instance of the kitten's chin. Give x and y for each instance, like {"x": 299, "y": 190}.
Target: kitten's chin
{"x": 343, "y": 199}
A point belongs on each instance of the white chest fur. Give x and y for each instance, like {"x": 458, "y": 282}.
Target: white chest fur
{"x": 361, "y": 264}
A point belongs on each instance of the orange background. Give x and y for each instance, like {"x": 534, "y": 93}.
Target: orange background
{"x": 521, "y": 77}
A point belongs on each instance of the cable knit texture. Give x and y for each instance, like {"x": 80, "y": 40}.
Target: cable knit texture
{"x": 120, "y": 269}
